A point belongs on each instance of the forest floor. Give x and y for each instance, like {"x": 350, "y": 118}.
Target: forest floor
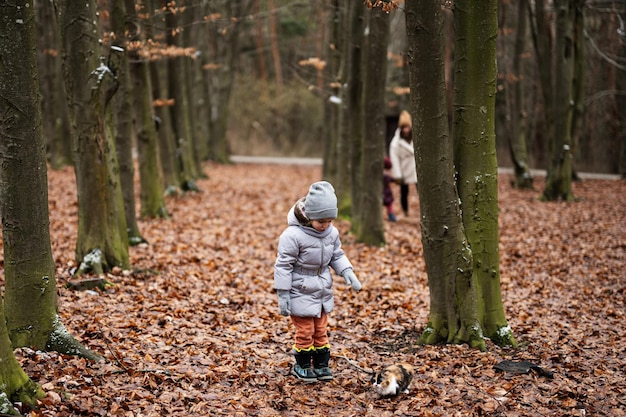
{"x": 193, "y": 328}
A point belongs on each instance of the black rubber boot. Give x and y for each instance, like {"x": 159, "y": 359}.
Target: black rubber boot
{"x": 321, "y": 357}
{"x": 302, "y": 368}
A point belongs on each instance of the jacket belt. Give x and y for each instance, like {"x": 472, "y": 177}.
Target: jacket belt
{"x": 308, "y": 271}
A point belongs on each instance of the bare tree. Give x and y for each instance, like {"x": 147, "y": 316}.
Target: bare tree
{"x": 367, "y": 219}
{"x": 56, "y": 123}
{"x": 178, "y": 88}
{"x": 150, "y": 172}
{"x": 457, "y": 303}
{"x": 556, "y": 64}
{"x": 475, "y": 155}
{"x": 123, "y": 117}
{"x": 30, "y": 298}
{"x": 102, "y": 241}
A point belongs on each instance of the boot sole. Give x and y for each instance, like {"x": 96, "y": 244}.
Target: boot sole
{"x": 323, "y": 376}
{"x": 307, "y": 380}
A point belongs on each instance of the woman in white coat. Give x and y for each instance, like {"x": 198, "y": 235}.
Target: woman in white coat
{"x": 402, "y": 155}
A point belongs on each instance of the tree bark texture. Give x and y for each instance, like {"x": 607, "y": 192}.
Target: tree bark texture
{"x": 454, "y": 315}
{"x": 559, "y": 180}
{"x": 56, "y": 123}
{"x": 170, "y": 164}
{"x": 475, "y": 154}
{"x": 333, "y": 106}
{"x": 30, "y": 298}
{"x": 17, "y": 386}
{"x": 224, "y": 47}
{"x": 28, "y": 265}
{"x": 90, "y": 85}
{"x": 518, "y": 134}
{"x": 371, "y": 228}
{"x": 355, "y": 103}
{"x": 123, "y": 116}
{"x": 177, "y": 72}
{"x": 150, "y": 172}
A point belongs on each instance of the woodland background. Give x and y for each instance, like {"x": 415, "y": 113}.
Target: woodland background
{"x": 194, "y": 329}
{"x": 261, "y": 74}
{"x": 165, "y": 355}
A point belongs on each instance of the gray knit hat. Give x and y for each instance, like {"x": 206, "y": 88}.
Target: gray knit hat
{"x": 321, "y": 201}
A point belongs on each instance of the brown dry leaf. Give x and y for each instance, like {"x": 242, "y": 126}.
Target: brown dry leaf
{"x": 196, "y": 320}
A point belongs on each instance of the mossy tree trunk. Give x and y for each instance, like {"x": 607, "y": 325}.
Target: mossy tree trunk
{"x": 150, "y": 173}
{"x": 578, "y": 80}
{"x": 30, "y": 298}
{"x": 555, "y": 56}
{"x": 331, "y": 107}
{"x": 351, "y": 115}
{"x": 177, "y": 73}
{"x": 518, "y": 133}
{"x": 172, "y": 177}
{"x": 369, "y": 218}
{"x": 54, "y": 104}
{"x": 14, "y": 382}
{"x": 475, "y": 155}
{"x": 454, "y": 316}
{"x": 464, "y": 290}
{"x": 223, "y": 49}
{"x": 123, "y": 116}
{"x": 559, "y": 180}
{"x": 356, "y": 105}
{"x": 102, "y": 237}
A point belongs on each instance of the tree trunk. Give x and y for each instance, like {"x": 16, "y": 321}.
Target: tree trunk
{"x": 578, "y": 78}
{"x": 559, "y": 180}
{"x": 180, "y": 110}
{"x": 333, "y": 106}
{"x": 170, "y": 163}
{"x": 369, "y": 217}
{"x": 162, "y": 112}
{"x": 14, "y": 382}
{"x": 517, "y": 140}
{"x": 54, "y": 104}
{"x": 356, "y": 104}
{"x": 542, "y": 40}
{"x": 190, "y": 64}
{"x": 475, "y": 155}
{"x": 351, "y": 123}
{"x": 102, "y": 240}
{"x": 123, "y": 117}
{"x": 150, "y": 176}
{"x": 30, "y": 298}
{"x": 224, "y": 50}
{"x": 260, "y": 44}
{"x": 454, "y": 315}
{"x": 278, "y": 70}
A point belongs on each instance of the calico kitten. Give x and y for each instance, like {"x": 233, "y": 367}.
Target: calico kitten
{"x": 393, "y": 379}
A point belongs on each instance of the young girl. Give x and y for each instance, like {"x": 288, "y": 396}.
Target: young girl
{"x": 303, "y": 281}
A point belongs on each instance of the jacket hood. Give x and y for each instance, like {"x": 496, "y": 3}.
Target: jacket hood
{"x": 296, "y": 217}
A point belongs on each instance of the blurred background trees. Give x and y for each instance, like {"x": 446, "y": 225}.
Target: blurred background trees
{"x": 257, "y": 77}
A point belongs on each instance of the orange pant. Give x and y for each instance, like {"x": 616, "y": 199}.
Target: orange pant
{"x": 310, "y": 331}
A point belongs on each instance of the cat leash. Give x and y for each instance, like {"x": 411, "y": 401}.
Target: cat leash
{"x": 355, "y": 364}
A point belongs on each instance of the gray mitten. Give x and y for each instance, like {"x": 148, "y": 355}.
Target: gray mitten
{"x": 284, "y": 303}
{"x": 351, "y": 279}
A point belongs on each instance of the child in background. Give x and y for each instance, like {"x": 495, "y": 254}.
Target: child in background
{"x": 402, "y": 154}
{"x": 387, "y": 192}
{"x": 303, "y": 280}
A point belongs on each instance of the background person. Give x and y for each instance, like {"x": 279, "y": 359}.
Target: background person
{"x": 402, "y": 155}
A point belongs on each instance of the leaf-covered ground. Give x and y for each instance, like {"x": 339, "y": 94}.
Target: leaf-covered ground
{"x": 193, "y": 328}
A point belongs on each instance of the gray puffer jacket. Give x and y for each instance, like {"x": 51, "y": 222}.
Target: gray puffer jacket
{"x": 302, "y": 266}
